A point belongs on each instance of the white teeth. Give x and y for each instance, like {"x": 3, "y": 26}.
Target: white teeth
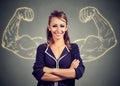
{"x": 58, "y": 34}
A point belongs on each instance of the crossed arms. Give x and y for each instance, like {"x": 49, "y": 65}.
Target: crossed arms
{"x": 75, "y": 69}
{"x": 56, "y": 74}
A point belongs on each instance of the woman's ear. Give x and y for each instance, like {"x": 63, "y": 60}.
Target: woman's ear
{"x": 48, "y": 28}
{"x": 66, "y": 27}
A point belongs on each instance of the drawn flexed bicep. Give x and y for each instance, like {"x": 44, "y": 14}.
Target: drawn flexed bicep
{"x": 23, "y": 46}
{"x": 95, "y": 46}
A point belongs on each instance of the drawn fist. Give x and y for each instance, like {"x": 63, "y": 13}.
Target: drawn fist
{"x": 87, "y": 13}
{"x": 25, "y": 13}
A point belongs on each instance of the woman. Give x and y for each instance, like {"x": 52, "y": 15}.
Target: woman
{"x": 58, "y": 62}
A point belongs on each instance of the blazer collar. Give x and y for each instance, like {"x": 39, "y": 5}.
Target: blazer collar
{"x": 49, "y": 52}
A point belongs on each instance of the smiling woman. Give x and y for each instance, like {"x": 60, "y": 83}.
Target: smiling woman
{"x": 58, "y": 62}
{"x": 57, "y": 28}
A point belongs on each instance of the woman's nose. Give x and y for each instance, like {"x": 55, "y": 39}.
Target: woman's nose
{"x": 58, "y": 28}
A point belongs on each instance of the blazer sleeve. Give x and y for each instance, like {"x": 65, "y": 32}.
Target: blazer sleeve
{"x": 39, "y": 63}
{"x": 76, "y": 55}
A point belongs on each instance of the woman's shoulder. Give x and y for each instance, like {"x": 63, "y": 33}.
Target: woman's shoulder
{"x": 74, "y": 48}
{"x": 74, "y": 45}
{"x": 42, "y": 46}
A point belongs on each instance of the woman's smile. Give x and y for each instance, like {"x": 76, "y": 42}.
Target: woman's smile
{"x": 58, "y": 33}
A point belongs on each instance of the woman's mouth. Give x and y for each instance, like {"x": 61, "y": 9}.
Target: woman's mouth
{"x": 58, "y": 33}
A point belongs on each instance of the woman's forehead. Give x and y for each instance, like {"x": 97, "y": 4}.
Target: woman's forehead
{"x": 58, "y": 20}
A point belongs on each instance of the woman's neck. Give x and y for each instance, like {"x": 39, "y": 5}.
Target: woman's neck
{"x": 59, "y": 43}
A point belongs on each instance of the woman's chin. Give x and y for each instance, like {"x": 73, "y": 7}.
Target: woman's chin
{"x": 58, "y": 37}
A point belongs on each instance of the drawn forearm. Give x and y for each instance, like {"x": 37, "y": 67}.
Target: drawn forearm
{"x": 10, "y": 34}
{"x": 106, "y": 33}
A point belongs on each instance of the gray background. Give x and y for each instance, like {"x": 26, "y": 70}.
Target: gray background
{"x": 105, "y": 71}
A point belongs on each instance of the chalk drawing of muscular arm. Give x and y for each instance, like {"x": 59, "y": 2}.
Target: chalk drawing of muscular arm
{"x": 91, "y": 47}
{"x": 95, "y": 46}
{"x": 24, "y": 46}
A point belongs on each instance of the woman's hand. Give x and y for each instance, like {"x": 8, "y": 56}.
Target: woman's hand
{"x": 48, "y": 70}
{"x": 74, "y": 64}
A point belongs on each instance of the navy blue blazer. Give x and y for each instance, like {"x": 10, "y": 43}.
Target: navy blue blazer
{"x": 45, "y": 57}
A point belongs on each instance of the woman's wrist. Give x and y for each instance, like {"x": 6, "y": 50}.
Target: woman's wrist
{"x": 49, "y": 70}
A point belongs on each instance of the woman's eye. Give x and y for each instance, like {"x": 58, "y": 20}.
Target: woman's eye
{"x": 62, "y": 26}
{"x": 54, "y": 26}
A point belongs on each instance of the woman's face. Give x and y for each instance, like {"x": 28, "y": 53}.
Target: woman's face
{"x": 57, "y": 27}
